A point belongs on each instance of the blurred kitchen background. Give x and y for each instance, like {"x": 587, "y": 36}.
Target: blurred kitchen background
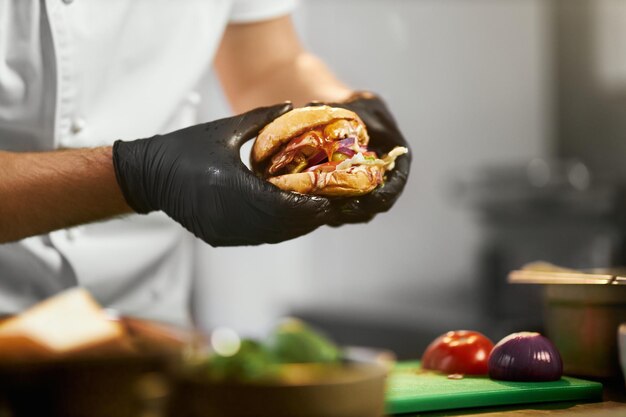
{"x": 516, "y": 114}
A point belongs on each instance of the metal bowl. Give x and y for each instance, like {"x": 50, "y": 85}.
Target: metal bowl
{"x": 346, "y": 390}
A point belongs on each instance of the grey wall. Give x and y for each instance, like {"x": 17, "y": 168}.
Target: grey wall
{"x": 591, "y": 71}
{"x": 468, "y": 82}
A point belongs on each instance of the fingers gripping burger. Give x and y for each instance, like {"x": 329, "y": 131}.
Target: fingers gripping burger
{"x": 320, "y": 150}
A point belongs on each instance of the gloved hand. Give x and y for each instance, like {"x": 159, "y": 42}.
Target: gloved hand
{"x": 384, "y": 136}
{"x": 196, "y": 176}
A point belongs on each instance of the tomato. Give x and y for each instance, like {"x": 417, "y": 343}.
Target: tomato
{"x": 458, "y": 352}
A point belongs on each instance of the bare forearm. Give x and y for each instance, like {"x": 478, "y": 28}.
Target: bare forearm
{"x": 45, "y": 191}
{"x": 302, "y": 80}
{"x": 263, "y": 63}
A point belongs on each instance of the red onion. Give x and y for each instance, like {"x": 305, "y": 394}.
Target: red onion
{"x": 317, "y": 158}
{"x": 346, "y": 142}
{"x": 525, "y": 356}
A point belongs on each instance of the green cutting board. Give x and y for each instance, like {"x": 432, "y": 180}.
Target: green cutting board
{"x": 410, "y": 389}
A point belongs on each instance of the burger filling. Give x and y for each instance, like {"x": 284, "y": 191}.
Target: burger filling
{"x": 329, "y": 148}
{"x": 335, "y": 142}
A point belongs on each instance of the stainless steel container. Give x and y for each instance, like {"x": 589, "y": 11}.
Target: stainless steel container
{"x": 582, "y": 312}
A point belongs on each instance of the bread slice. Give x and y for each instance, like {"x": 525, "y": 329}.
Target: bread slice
{"x": 350, "y": 182}
{"x": 68, "y": 323}
{"x": 294, "y": 123}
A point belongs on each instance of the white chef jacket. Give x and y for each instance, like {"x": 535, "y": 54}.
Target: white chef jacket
{"x": 83, "y": 73}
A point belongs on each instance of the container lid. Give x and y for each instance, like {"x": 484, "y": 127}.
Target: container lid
{"x": 546, "y": 273}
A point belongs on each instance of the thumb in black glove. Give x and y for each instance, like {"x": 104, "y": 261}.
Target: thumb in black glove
{"x": 384, "y": 136}
{"x": 196, "y": 176}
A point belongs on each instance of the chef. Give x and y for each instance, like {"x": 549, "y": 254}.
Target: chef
{"x": 102, "y": 159}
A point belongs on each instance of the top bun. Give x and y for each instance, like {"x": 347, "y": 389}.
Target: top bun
{"x": 294, "y": 123}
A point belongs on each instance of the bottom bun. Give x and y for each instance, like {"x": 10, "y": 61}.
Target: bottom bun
{"x": 351, "y": 182}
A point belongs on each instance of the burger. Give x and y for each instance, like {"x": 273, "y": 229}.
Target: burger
{"x": 320, "y": 150}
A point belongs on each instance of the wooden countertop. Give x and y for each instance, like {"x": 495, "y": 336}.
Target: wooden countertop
{"x": 599, "y": 409}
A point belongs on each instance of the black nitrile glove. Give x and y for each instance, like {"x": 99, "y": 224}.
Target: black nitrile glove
{"x": 384, "y": 136}
{"x": 196, "y": 176}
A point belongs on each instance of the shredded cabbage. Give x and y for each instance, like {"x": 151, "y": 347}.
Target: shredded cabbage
{"x": 388, "y": 161}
